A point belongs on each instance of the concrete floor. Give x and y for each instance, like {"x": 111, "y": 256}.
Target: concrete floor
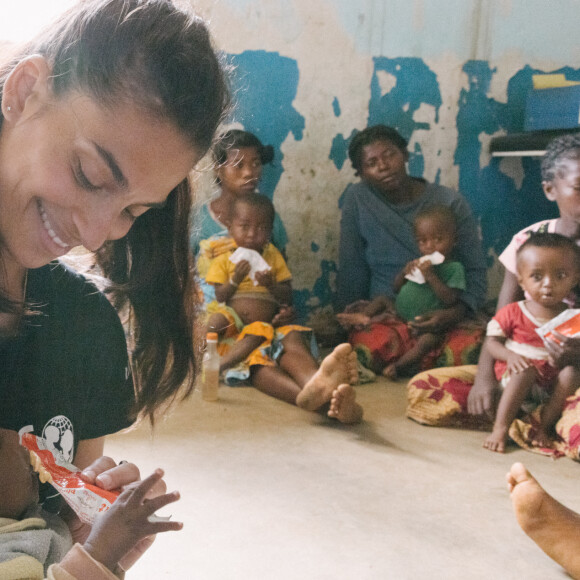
{"x": 272, "y": 492}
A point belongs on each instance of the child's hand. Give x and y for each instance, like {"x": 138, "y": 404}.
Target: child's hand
{"x": 516, "y": 363}
{"x": 426, "y": 268}
{"x": 241, "y": 271}
{"x": 265, "y": 278}
{"x": 125, "y": 526}
{"x": 408, "y": 269}
{"x": 286, "y": 315}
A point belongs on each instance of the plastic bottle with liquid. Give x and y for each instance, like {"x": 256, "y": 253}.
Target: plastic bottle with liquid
{"x": 211, "y": 369}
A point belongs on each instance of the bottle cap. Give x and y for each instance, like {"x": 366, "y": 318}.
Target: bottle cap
{"x": 212, "y": 336}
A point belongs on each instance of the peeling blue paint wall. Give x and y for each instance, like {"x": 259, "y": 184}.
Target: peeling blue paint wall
{"x": 448, "y": 75}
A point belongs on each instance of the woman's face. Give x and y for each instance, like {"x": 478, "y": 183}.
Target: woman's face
{"x": 564, "y": 189}
{"x": 241, "y": 172}
{"x": 383, "y": 166}
{"x": 74, "y": 173}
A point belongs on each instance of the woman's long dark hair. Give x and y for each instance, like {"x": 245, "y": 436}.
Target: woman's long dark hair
{"x": 151, "y": 54}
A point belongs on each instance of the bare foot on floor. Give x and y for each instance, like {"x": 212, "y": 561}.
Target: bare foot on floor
{"x": 339, "y": 367}
{"x": 390, "y": 371}
{"x": 554, "y": 527}
{"x": 343, "y": 405}
{"x": 497, "y": 440}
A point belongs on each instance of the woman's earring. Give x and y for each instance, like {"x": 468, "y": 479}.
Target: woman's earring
{"x": 8, "y": 108}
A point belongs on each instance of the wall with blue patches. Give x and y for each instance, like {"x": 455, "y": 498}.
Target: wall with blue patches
{"x": 449, "y": 75}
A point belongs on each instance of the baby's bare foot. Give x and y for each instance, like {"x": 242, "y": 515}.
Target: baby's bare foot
{"x": 497, "y": 440}
{"x": 554, "y": 527}
{"x": 343, "y": 405}
{"x": 339, "y": 367}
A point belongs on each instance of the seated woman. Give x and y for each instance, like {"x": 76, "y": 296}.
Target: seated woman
{"x": 377, "y": 241}
{"x": 467, "y": 396}
{"x": 239, "y": 158}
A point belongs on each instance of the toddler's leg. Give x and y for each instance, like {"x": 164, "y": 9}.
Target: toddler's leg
{"x": 275, "y": 382}
{"x": 425, "y": 343}
{"x": 300, "y": 381}
{"x": 510, "y": 402}
{"x": 554, "y": 527}
{"x": 240, "y": 350}
{"x": 566, "y": 384}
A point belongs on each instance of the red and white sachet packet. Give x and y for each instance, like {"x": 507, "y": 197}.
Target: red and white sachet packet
{"x": 86, "y": 500}
{"x": 566, "y": 323}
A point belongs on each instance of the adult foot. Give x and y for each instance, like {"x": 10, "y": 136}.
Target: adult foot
{"x": 343, "y": 405}
{"x": 554, "y": 527}
{"x": 339, "y": 367}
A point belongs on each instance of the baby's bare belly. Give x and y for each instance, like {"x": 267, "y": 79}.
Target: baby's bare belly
{"x": 254, "y": 309}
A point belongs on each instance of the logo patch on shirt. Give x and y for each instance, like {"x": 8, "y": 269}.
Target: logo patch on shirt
{"x": 59, "y": 435}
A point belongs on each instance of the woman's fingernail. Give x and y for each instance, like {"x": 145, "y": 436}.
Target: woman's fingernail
{"x": 89, "y": 474}
{"x": 105, "y": 480}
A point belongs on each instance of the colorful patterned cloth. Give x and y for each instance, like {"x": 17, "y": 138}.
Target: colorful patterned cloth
{"x": 385, "y": 342}
{"x": 439, "y": 398}
{"x": 267, "y": 354}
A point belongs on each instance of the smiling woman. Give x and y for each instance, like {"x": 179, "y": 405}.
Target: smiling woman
{"x": 104, "y": 115}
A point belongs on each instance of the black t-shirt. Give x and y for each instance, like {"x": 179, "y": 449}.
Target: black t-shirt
{"x": 67, "y": 373}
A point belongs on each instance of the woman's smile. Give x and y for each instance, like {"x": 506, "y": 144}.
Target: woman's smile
{"x": 50, "y": 230}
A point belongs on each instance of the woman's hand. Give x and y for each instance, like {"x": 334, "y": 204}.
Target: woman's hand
{"x": 564, "y": 352}
{"x": 358, "y": 306}
{"x": 484, "y": 392}
{"x": 438, "y": 321}
{"x": 356, "y": 320}
{"x": 105, "y": 473}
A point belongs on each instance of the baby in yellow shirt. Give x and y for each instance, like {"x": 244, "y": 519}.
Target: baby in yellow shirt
{"x": 275, "y": 360}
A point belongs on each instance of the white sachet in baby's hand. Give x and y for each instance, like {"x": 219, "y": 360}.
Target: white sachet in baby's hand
{"x": 416, "y": 275}
{"x": 257, "y": 263}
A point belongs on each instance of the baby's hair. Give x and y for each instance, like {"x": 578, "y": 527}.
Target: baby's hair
{"x": 550, "y": 240}
{"x": 235, "y": 139}
{"x": 443, "y": 212}
{"x": 372, "y": 135}
{"x": 559, "y": 150}
{"x": 258, "y": 202}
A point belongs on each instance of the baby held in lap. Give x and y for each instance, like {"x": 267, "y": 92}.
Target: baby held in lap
{"x": 547, "y": 270}
{"x": 255, "y": 287}
{"x": 420, "y": 287}
{"x": 275, "y": 360}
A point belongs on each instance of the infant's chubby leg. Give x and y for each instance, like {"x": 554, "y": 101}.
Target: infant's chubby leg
{"x": 339, "y": 367}
{"x": 554, "y": 527}
{"x": 343, "y": 405}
